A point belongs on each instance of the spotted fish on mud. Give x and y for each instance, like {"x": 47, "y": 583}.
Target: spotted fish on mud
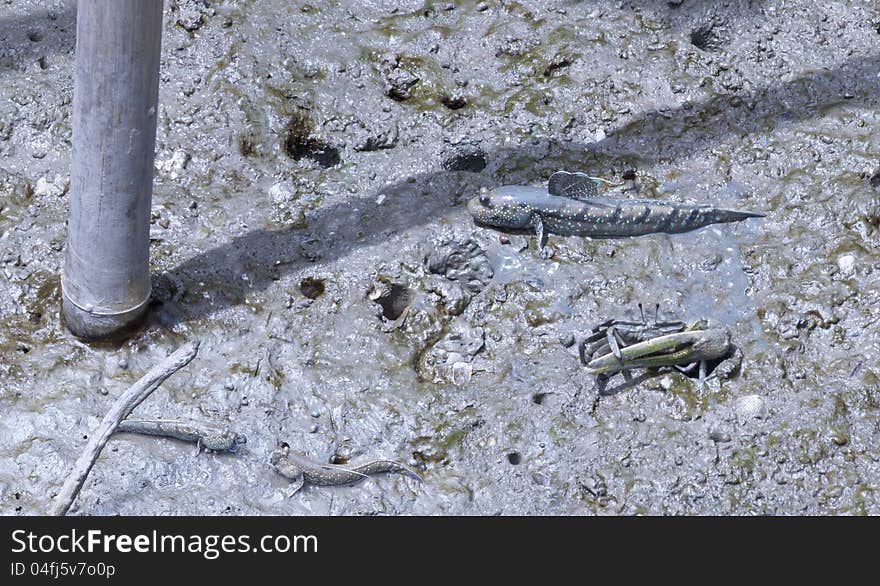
{"x": 570, "y": 206}
{"x": 301, "y": 469}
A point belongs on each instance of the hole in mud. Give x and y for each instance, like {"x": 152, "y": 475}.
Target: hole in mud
{"x": 706, "y": 38}
{"x": 35, "y": 36}
{"x": 557, "y": 64}
{"x": 311, "y": 287}
{"x": 514, "y": 458}
{"x": 246, "y": 146}
{"x": 395, "y": 302}
{"x": 875, "y": 180}
{"x": 629, "y": 175}
{"x": 538, "y": 398}
{"x": 397, "y": 94}
{"x": 473, "y": 160}
{"x": 300, "y": 143}
{"x": 163, "y": 290}
{"x": 872, "y": 216}
{"x": 454, "y": 101}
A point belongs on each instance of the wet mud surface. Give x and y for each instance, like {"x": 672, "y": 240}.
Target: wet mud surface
{"x": 309, "y": 227}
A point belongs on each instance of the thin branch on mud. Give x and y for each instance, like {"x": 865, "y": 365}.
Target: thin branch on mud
{"x": 124, "y": 405}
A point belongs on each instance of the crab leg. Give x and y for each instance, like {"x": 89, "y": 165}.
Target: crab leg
{"x": 614, "y": 342}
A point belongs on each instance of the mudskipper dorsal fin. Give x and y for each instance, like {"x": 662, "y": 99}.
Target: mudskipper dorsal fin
{"x": 573, "y": 185}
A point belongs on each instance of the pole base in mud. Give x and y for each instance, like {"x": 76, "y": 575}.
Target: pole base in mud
{"x": 92, "y": 327}
{"x": 106, "y": 276}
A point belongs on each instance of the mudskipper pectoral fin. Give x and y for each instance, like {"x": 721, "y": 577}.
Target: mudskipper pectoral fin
{"x": 296, "y": 485}
{"x": 538, "y": 226}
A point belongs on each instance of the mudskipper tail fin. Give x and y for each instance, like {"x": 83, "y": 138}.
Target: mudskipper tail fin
{"x": 723, "y": 216}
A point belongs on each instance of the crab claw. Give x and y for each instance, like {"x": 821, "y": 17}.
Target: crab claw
{"x": 669, "y": 350}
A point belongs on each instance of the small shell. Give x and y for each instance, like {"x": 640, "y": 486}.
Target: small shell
{"x": 748, "y": 407}
{"x": 378, "y": 291}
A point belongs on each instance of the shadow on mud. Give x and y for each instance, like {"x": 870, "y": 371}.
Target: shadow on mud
{"x": 228, "y": 273}
{"x": 30, "y": 38}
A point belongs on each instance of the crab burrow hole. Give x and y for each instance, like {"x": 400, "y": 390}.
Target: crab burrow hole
{"x": 393, "y": 298}
{"x": 300, "y": 142}
{"x": 311, "y": 287}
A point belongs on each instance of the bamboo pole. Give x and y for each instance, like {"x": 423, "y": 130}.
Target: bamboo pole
{"x": 106, "y": 275}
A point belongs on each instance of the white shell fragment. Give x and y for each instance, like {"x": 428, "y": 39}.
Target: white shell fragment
{"x": 461, "y": 373}
{"x": 846, "y": 263}
{"x": 748, "y": 407}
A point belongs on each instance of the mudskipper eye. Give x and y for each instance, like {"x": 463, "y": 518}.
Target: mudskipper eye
{"x": 486, "y": 200}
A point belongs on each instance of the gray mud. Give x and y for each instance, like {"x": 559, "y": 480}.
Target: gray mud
{"x": 313, "y": 161}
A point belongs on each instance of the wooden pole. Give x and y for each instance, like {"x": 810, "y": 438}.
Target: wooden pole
{"x": 106, "y": 275}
